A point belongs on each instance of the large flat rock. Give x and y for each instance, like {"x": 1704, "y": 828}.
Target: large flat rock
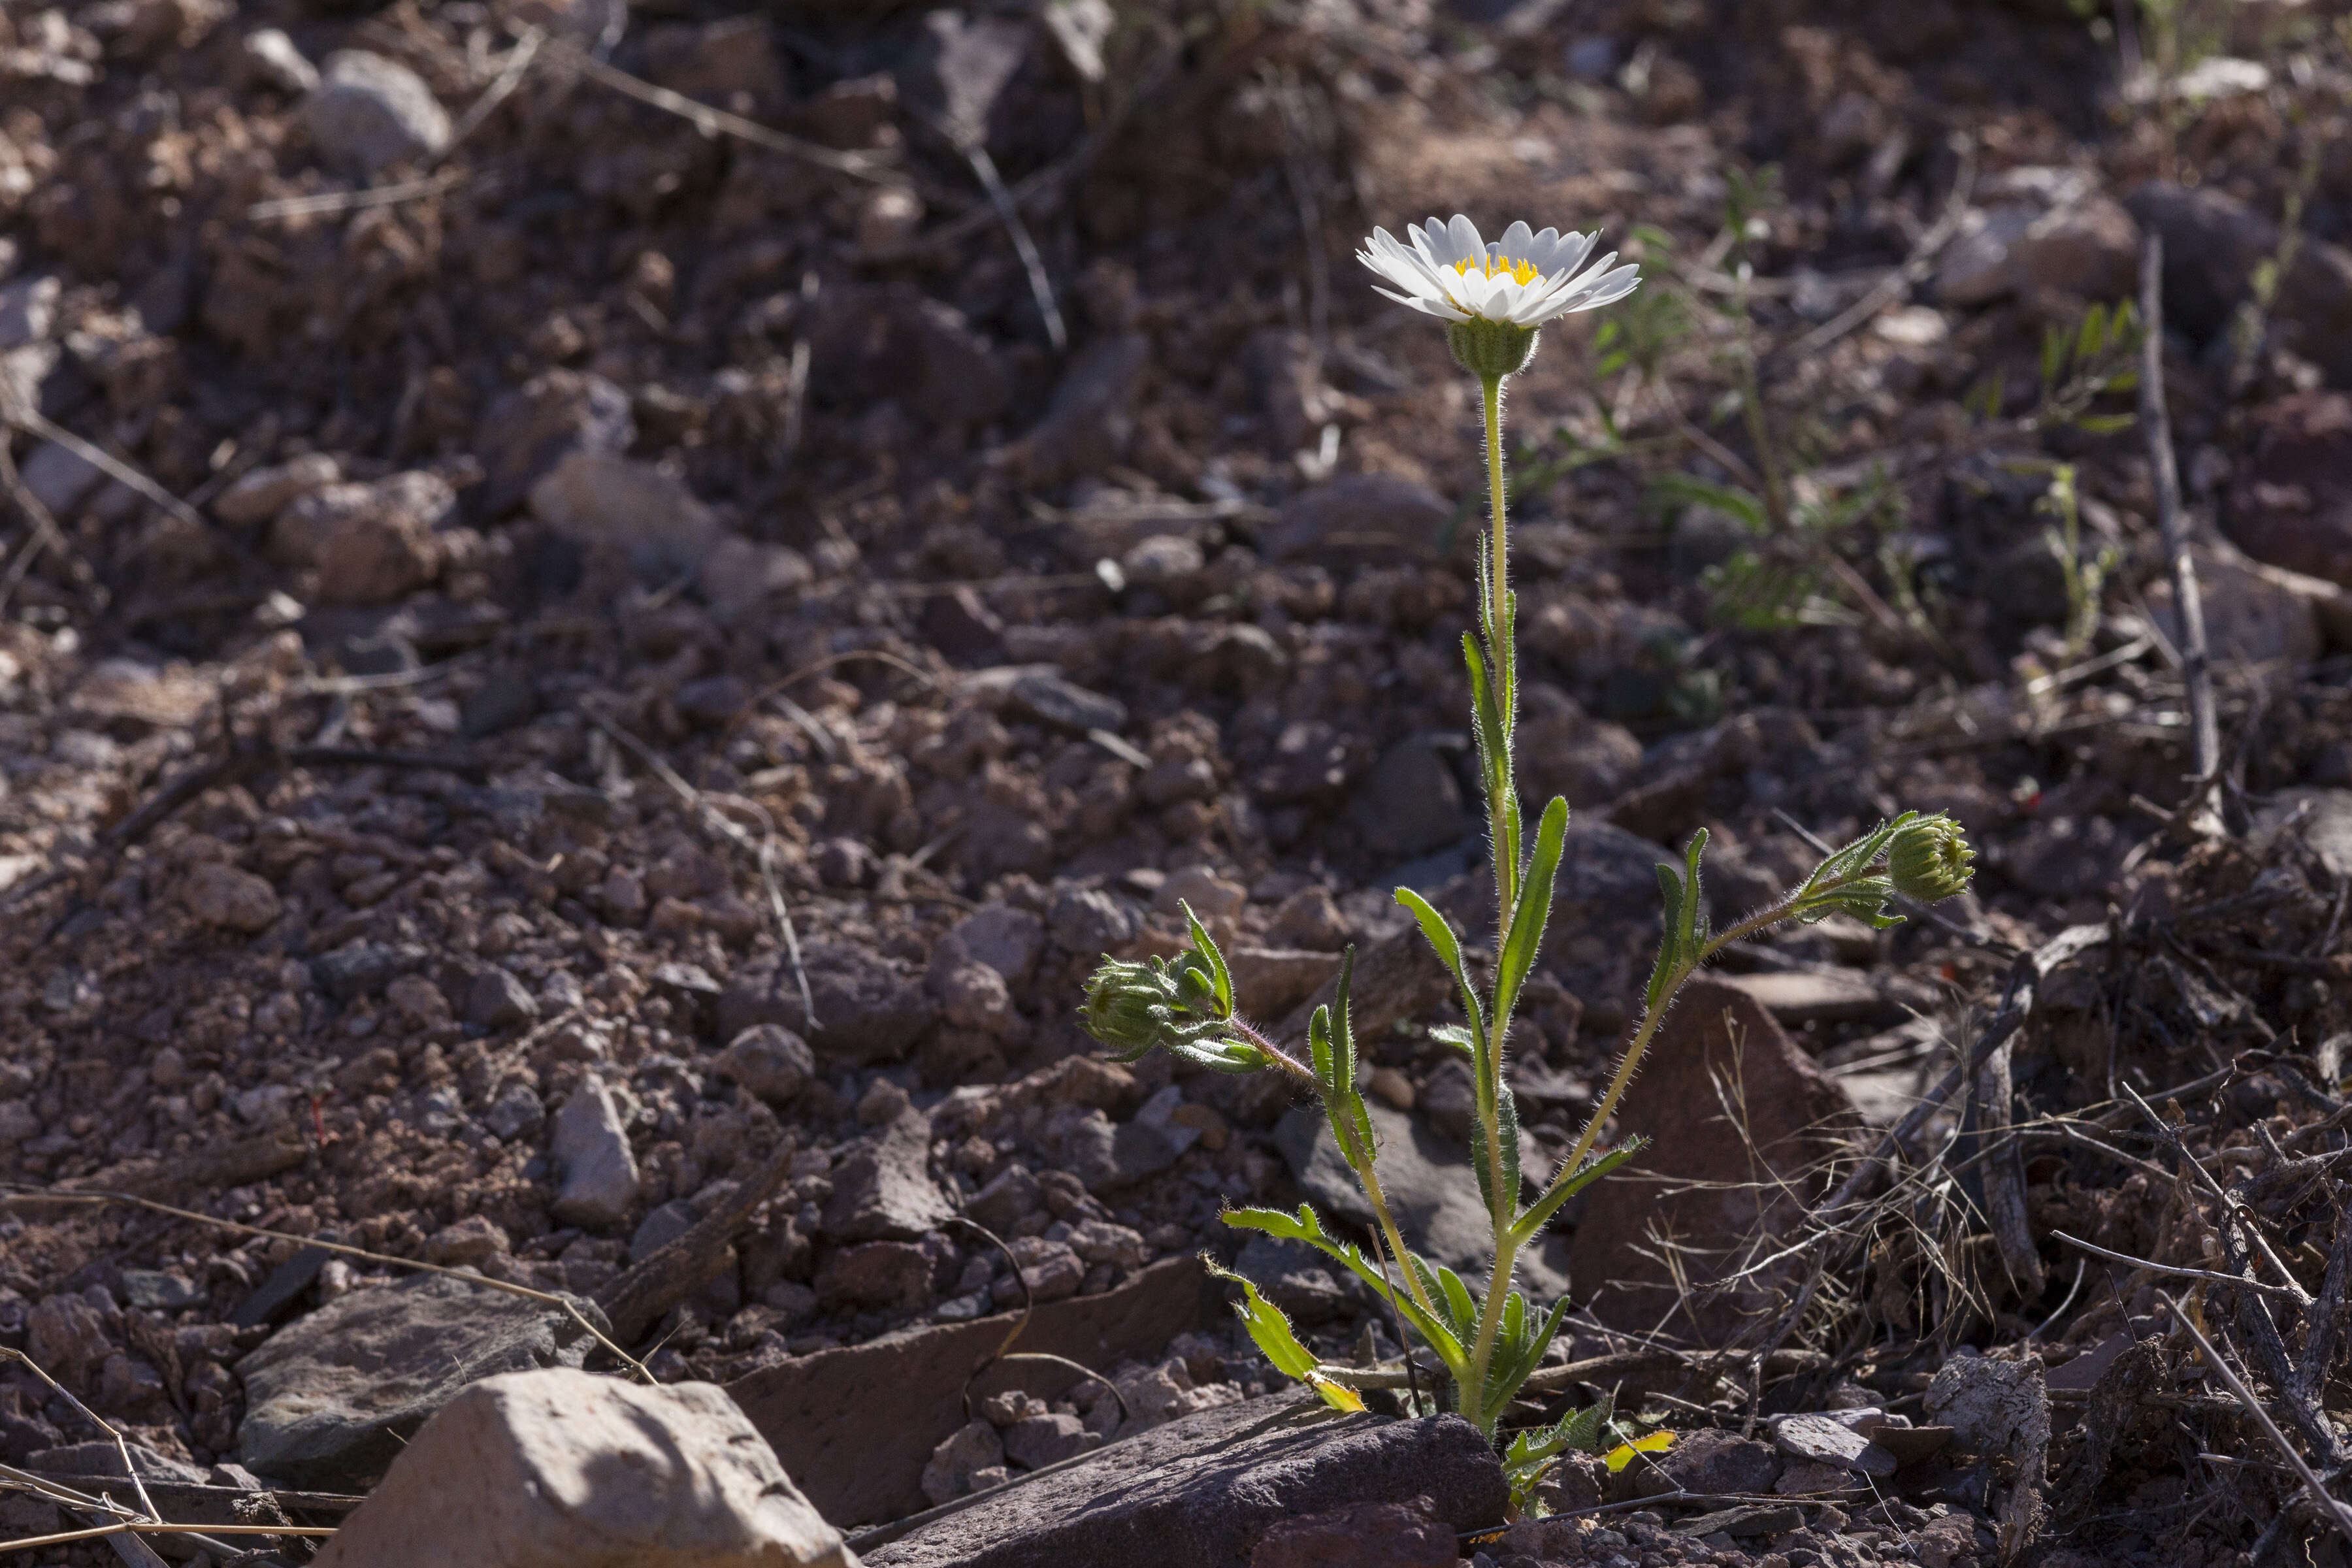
{"x": 1739, "y": 1120}
{"x": 561, "y": 1469}
{"x": 856, "y": 1426}
{"x": 1202, "y": 1491}
{"x": 331, "y": 1397}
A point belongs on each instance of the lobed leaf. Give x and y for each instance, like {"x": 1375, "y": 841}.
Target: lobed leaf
{"x": 1279, "y": 1342}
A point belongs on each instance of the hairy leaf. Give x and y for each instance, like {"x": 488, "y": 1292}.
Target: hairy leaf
{"x": 1449, "y": 951}
{"x": 1280, "y": 1344}
{"x": 1207, "y": 947}
{"x": 1568, "y": 1186}
{"x": 1531, "y": 913}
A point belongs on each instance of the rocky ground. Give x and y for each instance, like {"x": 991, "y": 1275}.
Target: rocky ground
{"x": 587, "y": 650}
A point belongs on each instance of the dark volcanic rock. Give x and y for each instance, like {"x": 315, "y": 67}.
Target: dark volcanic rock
{"x": 854, "y": 1426}
{"x": 330, "y": 1397}
{"x": 884, "y": 1192}
{"x": 1203, "y": 1491}
{"x": 1364, "y": 1535}
{"x": 867, "y": 1009}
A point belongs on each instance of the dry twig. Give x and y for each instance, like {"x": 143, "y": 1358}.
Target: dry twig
{"x": 2335, "y": 1511}
{"x": 2156, "y": 420}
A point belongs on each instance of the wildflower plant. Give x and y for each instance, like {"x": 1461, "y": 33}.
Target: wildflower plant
{"x": 1494, "y": 298}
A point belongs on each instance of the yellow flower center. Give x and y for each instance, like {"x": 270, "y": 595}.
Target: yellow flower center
{"x": 1518, "y": 271}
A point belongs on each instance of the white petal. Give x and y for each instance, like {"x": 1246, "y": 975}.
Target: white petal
{"x": 1437, "y": 308}
{"x": 1415, "y": 261}
{"x": 1434, "y": 242}
{"x": 1569, "y": 251}
{"x": 1543, "y": 249}
{"x": 1612, "y": 287}
{"x": 1464, "y": 234}
{"x": 1518, "y": 242}
{"x": 1397, "y": 272}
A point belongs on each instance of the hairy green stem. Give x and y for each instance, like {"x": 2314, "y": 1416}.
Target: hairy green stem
{"x": 1762, "y": 920}
{"x": 1365, "y": 1173}
{"x": 1502, "y": 790}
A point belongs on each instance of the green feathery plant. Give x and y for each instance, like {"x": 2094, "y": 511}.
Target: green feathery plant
{"x": 1494, "y": 300}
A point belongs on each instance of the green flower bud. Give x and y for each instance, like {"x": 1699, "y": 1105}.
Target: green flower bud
{"x": 1126, "y": 1006}
{"x": 1134, "y": 1006}
{"x": 1491, "y": 350}
{"x": 1929, "y": 859}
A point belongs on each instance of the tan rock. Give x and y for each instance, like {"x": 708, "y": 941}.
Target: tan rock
{"x": 558, "y": 1468}
{"x": 1738, "y": 1118}
{"x": 220, "y": 895}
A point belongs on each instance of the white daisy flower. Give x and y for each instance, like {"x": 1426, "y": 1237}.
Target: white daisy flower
{"x": 1522, "y": 279}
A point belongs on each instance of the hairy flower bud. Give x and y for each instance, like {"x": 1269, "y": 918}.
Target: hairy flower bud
{"x": 1134, "y": 1006}
{"x": 1127, "y": 1006}
{"x": 1491, "y": 350}
{"x": 1929, "y": 859}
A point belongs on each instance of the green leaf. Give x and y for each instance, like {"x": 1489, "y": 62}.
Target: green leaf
{"x": 1455, "y": 1296}
{"x": 1490, "y": 709}
{"x": 1274, "y": 1337}
{"x": 1449, "y": 951}
{"x": 1683, "y": 925}
{"x": 1530, "y": 912}
{"x": 1507, "y": 1115}
{"x": 2054, "y": 356}
{"x": 1532, "y": 1453}
{"x": 1439, "y": 1334}
{"x": 2106, "y": 424}
{"x": 1524, "y": 1230}
{"x": 1521, "y": 1353}
{"x": 1208, "y": 949}
{"x": 1454, "y": 1035}
{"x": 1343, "y": 1035}
{"x": 1667, "y": 973}
{"x": 1585, "y": 1429}
{"x": 1687, "y": 489}
{"x": 1216, "y": 1055}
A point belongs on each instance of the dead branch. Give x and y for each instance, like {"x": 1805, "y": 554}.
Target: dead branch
{"x": 711, "y": 121}
{"x": 2156, "y": 421}
{"x": 671, "y": 1273}
{"x": 2328, "y": 1505}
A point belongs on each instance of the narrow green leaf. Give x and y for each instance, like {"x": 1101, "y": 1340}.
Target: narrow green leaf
{"x": 1506, "y": 1117}
{"x": 1667, "y": 972}
{"x": 1449, "y": 951}
{"x": 1458, "y": 1305}
{"x": 1343, "y": 1033}
{"x": 1453, "y": 1034}
{"x": 1524, "y": 1350}
{"x": 1531, "y": 912}
{"x": 1279, "y": 1342}
{"x": 1694, "y": 903}
{"x": 1221, "y": 977}
{"x": 1319, "y": 1047}
{"x": 1525, "y": 1228}
{"x": 1305, "y": 1227}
